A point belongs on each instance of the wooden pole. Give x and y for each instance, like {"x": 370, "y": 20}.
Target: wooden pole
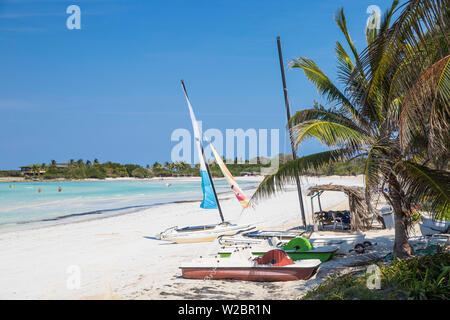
{"x": 288, "y": 114}
{"x": 320, "y": 204}
{"x": 206, "y": 164}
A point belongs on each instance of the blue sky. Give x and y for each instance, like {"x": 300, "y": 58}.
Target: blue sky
{"x": 111, "y": 90}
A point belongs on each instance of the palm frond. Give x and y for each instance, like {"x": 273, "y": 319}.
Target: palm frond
{"x": 371, "y": 32}
{"x": 371, "y": 169}
{"x": 428, "y": 99}
{"x": 377, "y": 51}
{"x": 345, "y": 64}
{"x": 422, "y": 27}
{"x": 324, "y": 84}
{"x": 331, "y": 134}
{"x": 320, "y": 113}
{"x": 431, "y": 187}
{"x": 340, "y": 19}
{"x": 387, "y": 17}
{"x": 286, "y": 173}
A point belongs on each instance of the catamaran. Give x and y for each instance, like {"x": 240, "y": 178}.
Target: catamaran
{"x": 210, "y": 200}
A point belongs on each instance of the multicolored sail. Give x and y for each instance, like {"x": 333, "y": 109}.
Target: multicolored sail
{"x": 233, "y": 184}
{"x": 209, "y": 199}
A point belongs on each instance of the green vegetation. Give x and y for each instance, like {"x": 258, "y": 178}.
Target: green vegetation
{"x": 10, "y": 173}
{"x": 85, "y": 170}
{"x": 97, "y": 170}
{"x": 390, "y": 106}
{"x": 444, "y": 215}
{"x": 418, "y": 278}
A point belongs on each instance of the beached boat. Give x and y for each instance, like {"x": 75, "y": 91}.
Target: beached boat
{"x": 345, "y": 242}
{"x": 297, "y": 249}
{"x": 274, "y": 265}
{"x": 282, "y": 235}
{"x": 210, "y": 199}
{"x": 242, "y": 240}
{"x": 430, "y": 226}
{"x": 202, "y": 233}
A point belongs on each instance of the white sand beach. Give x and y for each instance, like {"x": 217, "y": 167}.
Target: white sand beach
{"x": 118, "y": 258}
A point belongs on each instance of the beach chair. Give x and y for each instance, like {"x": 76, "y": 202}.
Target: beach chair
{"x": 336, "y": 220}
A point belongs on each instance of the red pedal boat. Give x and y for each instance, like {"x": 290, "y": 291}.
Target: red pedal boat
{"x": 274, "y": 265}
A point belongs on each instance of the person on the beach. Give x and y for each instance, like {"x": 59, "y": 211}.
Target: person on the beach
{"x": 59, "y": 189}
{"x": 39, "y": 190}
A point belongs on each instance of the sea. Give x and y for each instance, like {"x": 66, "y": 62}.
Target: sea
{"x": 28, "y": 204}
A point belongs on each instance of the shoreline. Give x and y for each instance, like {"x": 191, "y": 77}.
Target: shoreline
{"x": 101, "y": 214}
{"x": 118, "y": 256}
{"x": 110, "y": 212}
{"x": 113, "y": 212}
{"x": 187, "y": 178}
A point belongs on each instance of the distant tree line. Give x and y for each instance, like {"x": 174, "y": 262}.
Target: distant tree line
{"x": 94, "y": 169}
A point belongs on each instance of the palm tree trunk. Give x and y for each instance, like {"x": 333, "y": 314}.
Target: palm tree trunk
{"x": 402, "y": 248}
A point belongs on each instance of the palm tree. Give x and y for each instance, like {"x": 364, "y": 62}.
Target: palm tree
{"x": 43, "y": 167}
{"x": 157, "y": 166}
{"x": 185, "y": 165}
{"x": 169, "y": 166}
{"x": 35, "y": 169}
{"x": 363, "y": 121}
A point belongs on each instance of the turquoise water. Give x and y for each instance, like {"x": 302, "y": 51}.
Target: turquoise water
{"x": 23, "y": 205}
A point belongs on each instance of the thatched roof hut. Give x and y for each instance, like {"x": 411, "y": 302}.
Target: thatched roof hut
{"x": 360, "y": 213}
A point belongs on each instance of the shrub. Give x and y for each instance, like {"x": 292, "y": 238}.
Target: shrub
{"x": 140, "y": 173}
{"x": 418, "y": 278}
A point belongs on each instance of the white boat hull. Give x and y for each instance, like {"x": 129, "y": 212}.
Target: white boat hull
{"x": 208, "y": 234}
{"x": 429, "y": 226}
{"x": 345, "y": 242}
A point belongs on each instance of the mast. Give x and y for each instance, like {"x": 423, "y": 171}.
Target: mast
{"x": 213, "y": 187}
{"x": 206, "y": 165}
{"x": 288, "y": 114}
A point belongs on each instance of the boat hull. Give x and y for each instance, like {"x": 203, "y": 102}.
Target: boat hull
{"x": 202, "y": 235}
{"x": 346, "y": 243}
{"x": 322, "y": 256}
{"x": 208, "y": 238}
{"x": 430, "y": 226}
{"x": 281, "y": 235}
{"x": 260, "y": 274}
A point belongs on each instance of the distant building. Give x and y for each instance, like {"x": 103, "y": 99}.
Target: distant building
{"x": 28, "y": 170}
{"x": 25, "y": 169}
{"x": 246, "y": 174}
